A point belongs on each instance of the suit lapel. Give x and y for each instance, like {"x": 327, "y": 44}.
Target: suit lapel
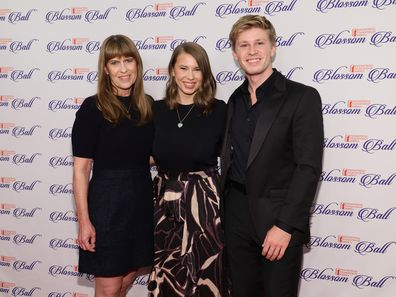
{"x": 267, "y": 116}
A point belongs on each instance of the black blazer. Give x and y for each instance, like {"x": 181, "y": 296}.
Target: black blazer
{"x": 285, "y": 158}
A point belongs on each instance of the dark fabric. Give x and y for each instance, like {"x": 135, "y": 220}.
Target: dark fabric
{"x": 243, "y": 124}
{"x": 123, "y": 146}
{"x": 193, "y": 147}
{"x": 188, "y": 236}
{"x": 120, "y": 202}
{"x": 120, "y": 208}
{"x": 285, "y": 158}
{"x": 252, "y": 274}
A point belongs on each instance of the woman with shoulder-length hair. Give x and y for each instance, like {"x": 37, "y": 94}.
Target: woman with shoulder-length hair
{"x": 113, "y": 133}
{"x": 189, "y": 126}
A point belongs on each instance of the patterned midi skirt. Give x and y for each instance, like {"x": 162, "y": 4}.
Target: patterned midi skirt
{"x": 188, "y": 239}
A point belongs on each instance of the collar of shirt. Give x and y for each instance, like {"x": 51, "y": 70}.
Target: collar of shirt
{"x": 264, "y": 89}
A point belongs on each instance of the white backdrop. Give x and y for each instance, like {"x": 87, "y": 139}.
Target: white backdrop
{"x": 48, "y": 57}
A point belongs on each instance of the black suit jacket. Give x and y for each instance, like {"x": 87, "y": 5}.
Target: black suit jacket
{"x": 285, "y": 158}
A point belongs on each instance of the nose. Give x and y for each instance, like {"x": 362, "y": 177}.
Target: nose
{"x": 190, "y": 74}
{"x": 123, "y": 66}
{"x": 252, "y": 49}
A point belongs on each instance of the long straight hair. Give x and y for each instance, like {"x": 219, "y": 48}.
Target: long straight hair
{"x": 112, "y": 109}
{"x": 204, "y": 97}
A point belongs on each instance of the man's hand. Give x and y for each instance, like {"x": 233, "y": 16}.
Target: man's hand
{"x": 275, "y": 243}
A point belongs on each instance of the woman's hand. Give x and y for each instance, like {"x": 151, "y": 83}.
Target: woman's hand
{"x": 87, "y": 236}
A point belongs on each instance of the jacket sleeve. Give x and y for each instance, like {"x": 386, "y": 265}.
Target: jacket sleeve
{"x": 307, "y": 141}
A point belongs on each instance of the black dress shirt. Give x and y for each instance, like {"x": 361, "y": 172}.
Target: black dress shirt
{"x": 243, "y": 124}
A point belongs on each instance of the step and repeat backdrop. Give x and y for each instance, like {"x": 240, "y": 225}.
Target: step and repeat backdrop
{"x": 48, "y": 65}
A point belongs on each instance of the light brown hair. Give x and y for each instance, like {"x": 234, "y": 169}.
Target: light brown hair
{"x": 252, "y": 21}
{"x": 112, "y": 109}
{"x": 204, "y": 97}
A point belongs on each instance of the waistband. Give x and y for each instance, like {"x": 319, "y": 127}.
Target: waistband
{"x": 185, "y": 175}
{"x": 120, "y": 173}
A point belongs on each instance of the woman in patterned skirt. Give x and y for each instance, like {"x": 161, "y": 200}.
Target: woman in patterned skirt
{"x": 188, "y": 126}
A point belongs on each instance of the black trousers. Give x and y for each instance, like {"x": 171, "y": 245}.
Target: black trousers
{"x": 251, "y": 274}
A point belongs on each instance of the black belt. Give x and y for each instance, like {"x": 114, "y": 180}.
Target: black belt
{"x": 238, "y": 186}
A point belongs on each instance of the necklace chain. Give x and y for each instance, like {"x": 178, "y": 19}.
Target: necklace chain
{"x": 180, "y": 123}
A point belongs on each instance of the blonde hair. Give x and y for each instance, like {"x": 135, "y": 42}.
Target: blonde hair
{"x": 252, "y": 21}
{"x": 112, "y": 109}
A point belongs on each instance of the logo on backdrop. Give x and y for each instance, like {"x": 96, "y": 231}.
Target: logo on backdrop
{"x": 375, "y": 111}
{"x": 341, "y": 275}
{"x": 254, "y": 7}
{"x": 339, "y": 242}
{"x": 342, "y": 73}
{"x": 5, "y": 72}
{"x": 19, "y": 159}
{"x": 15, "y": 17}
{"x": 60, "y": 216}
{"x": 282, "y": 41}
{"x": 58, "y": 189}
{"x": 164, "y": 42}
{"x": 20, "y": 212}
{"x": 6, "y": 286}
{"x": 73, "y": 74}
{"x": 78, "y": 14}
{"x": 5, "y": 101}
{"x": 344, "y": 37}
{"x": 5, "y": 182}
{"x": 380, "y": 74}
{"x": 161, "y": 10}
{"x": 19, "y": 265}
{"x": 370, "y": 247}
{"x": 380, "y": 38}
{"x": 68, "y": 270}
{"x": 382, "y": 4}
{"x": 19, "y": 185}
{"x": 342, "y": 242}
{"x": 17, "y": 45}
{"x": 5, "y": 209}
{"x": 362, "y": 142}
{"x": 355, "y": 37}
{"x": 4, "y": 12}
{"x": 224, "y": 77}
{"x": 4, "y": 42}
{"x": 341, "y": 209}
{"x": 6, "y": 261}
{"x": 324, "y": 6}
{"x": 75, "y": 44}
{"x": 67, "y": 243}
{"x": 60, "y": 133}
{"x": 61, "y": 161}
{"x": 18, "y": 75}
{"x": 23, "y": 103}
{"x": 5, "y": 235}
{"x": 223, "y": 44}
{"x": 354, "y": 107}
{"x": 21, "y": 291}
{"x": 369, "y": 214}
{"x": 359, "y": 176}
{"x": 6, "y": 155}
{"x": 72, "y": 104}
{"x": 22, "y": 239}
{"x": 158, "y": 74}
{"x": 21, "y": 131}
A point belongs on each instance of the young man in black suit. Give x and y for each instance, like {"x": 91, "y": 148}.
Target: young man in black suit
{"x": 271, "y": 162}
